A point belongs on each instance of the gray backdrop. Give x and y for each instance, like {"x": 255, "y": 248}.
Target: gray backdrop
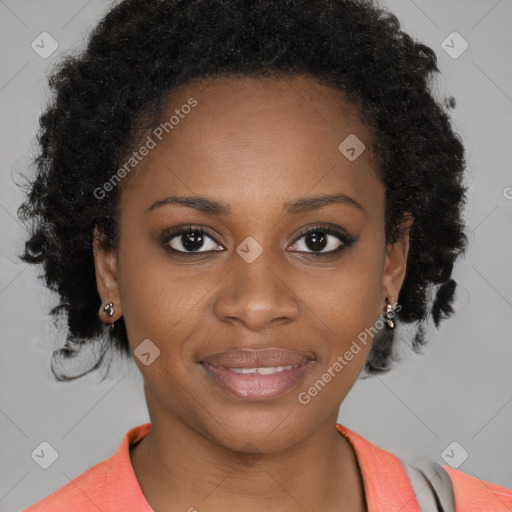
{"x": 459, "y": 391}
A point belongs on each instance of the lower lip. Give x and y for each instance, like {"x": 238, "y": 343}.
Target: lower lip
{"x": 255, "y": 386}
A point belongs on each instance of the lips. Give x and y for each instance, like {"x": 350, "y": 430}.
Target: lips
{"x": 257, "y": 374}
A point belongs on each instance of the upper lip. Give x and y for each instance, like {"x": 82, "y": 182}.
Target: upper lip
{"x": 258, "y": 358}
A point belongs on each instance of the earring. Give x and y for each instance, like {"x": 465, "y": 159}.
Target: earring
{"x": 109, "y": 308}
{"x": 388, "y": 316}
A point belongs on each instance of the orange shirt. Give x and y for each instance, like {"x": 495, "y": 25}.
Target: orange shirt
{"x": 111, "y": 485}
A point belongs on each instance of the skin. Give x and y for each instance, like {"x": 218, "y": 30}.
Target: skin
{"x": 254, "y": 144}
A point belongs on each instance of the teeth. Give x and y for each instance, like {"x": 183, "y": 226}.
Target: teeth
{"x": 267, "y": 370}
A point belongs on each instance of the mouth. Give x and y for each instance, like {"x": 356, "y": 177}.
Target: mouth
{"x": 257, "y": 374}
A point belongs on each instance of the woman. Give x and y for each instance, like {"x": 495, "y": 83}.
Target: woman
{"x": 251, "y": 195}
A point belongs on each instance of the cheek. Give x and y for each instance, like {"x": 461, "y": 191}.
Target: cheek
{"x": 346, "y": 299}
{"x": 165, "y": 303}
{"x": 345, "y": 306}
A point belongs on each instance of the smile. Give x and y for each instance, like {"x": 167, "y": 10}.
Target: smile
{"x": 257, "y": 374}
{"x": 267, "y": 370}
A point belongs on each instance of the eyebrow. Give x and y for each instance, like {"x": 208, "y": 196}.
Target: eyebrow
{"x": 301, "y": 205}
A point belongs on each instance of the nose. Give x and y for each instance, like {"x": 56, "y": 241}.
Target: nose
{"x": 257, "y": 295}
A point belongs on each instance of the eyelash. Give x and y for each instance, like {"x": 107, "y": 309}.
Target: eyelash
{"x": 326, "y": 229}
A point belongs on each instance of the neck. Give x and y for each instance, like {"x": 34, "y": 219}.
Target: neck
{"x": 180, "y": 469}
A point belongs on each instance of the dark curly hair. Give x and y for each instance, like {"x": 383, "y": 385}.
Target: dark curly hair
{"x": 104, "y": 98}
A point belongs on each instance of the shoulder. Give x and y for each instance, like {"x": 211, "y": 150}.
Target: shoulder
{"x": 77, "y": 494}
{"x": 108, "y": 485}
{"x": 386, "y": 481}
{"x": 473, "y": 494}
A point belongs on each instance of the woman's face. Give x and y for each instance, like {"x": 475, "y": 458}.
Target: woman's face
{"x": 251, "y": 155}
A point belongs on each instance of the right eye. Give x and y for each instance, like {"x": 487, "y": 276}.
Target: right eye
{"x": 190, "y": 240}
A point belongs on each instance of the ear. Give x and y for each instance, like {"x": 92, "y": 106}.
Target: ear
{"x": 396, "y": 262}
{"x": 105, "y": 264}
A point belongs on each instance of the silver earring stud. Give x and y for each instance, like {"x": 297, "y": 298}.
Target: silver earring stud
{"x": 109, "y": 308}
{"x": 388, "y": 316}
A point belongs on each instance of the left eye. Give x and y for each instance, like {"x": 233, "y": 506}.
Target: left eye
{"x": 321, "y": 240}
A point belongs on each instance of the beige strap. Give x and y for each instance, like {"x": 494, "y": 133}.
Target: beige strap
{"x": 432, "y": 485}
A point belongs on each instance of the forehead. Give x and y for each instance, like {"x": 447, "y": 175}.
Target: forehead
{"x": 270, "y": 138}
